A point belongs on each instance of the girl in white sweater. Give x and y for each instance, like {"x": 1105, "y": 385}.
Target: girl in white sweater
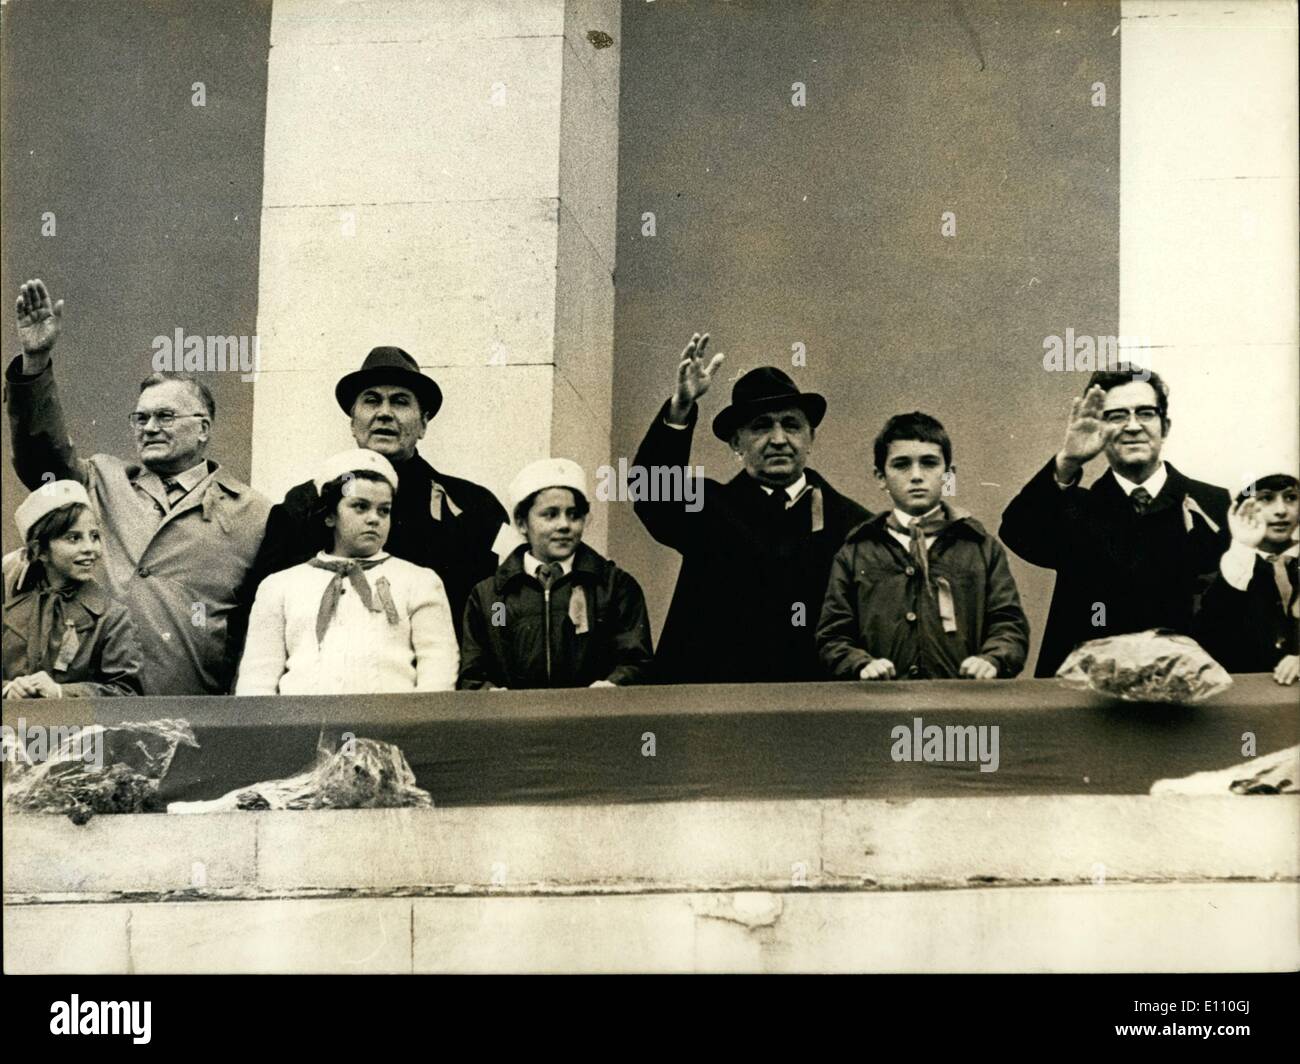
{"x": 355, "y": 620}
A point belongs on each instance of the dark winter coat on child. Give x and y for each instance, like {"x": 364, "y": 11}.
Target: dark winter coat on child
{"x": 877, "y": 605}
{"x": 592, "y": 625}
{"x": 1251, "y": 630}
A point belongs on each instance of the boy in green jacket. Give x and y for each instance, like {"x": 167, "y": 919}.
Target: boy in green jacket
{"x": 921, "y": 591}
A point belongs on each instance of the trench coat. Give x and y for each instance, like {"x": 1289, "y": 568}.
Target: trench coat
{"x": 177, "y": 572}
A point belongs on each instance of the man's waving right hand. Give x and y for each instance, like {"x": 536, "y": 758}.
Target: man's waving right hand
{"x": 694, "y": 375}
{"x": 40, "y": 320}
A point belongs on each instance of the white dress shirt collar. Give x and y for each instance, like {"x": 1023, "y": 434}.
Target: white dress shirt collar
{"x": 1154, "y": 483}
{"x": 531, "y": 564}
{"x": 906, "y": 520}
{"x": 793, "y": 491}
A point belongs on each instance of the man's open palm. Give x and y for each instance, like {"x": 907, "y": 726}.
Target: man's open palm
{"x": 694, "y": 373}
{"x": 39, "y": 319}
{"x": 1086, "y": 434}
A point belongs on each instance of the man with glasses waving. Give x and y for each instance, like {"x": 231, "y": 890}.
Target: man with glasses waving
{"x": 1133, "y": 550}
{"x": 179, "y": 532}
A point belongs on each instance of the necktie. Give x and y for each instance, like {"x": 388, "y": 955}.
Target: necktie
{"x": 1285, "y": 588}
{"x": 351, "y": 569}
{"x": 175, "y": 492}
{"x": 547, "y": 573}
{"x": 1141, "y": 500}
{"x": 776, "y": 503}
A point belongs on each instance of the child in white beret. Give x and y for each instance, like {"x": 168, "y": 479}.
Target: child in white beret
{"x": 64, "y": 636}
{"x": 556, "y": 614}
{"x": 353, "y": 620}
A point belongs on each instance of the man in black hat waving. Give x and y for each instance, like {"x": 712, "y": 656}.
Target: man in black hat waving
{"x": 442, "y": 522}
{"x": 756, "y": 555}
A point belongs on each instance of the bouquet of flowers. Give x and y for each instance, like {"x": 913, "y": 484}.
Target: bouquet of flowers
{"x": 1151, "y": 666}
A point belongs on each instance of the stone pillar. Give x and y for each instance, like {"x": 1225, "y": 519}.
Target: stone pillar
{"x": 442, "y": 177}
{"x": 1209, "y": 224}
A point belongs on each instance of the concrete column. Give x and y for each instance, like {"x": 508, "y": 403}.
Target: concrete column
{"x": 442, "y": 177}
{"x": 1209, "y": 223}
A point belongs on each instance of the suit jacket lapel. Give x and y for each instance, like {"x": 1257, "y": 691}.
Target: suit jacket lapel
{"x": 1173, "y": 492}
{"x": 1107, "y": 490}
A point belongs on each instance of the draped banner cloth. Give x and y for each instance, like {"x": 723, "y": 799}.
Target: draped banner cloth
{"x": 776, "y": 741}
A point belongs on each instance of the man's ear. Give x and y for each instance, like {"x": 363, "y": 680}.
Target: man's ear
{"x": 331, "y": 521}
{"x": 424, "y": 424}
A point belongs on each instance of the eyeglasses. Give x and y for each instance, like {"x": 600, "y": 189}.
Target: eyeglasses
{"x": 165, "y": 418}
{"x": 1147, "y": 415}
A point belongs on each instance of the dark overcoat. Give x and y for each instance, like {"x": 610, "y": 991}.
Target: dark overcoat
{"x": 1251, "y": 630}
{"x": 1116, "y": 571}
{"x": 753, "y": 574}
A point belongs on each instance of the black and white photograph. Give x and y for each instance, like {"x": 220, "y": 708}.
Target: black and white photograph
{"x": 572, "y": 487}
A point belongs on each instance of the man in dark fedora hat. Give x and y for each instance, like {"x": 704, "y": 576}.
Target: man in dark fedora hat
{"x": 439, "y": 521}
{"x": 756, "y": 554}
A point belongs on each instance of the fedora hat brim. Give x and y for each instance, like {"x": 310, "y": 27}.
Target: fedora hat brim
{"x": 425, "y": 388}
{"x": 734, "y": 416}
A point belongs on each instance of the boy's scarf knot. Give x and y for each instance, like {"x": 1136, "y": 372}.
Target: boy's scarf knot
{"x": 352, "y": 570}
{"x": 930, "y": 525}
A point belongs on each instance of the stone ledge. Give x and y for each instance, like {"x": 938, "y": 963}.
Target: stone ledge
{"x": 1173, "y": 928}
{"x": 842, "y": 843}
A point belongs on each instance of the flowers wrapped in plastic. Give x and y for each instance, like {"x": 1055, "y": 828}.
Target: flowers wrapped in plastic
{"x": 82, "y": 771}
{"x": 1275, "y": 773}
{"x": 361, "y": 774}
{"x": 1152, "y": 666}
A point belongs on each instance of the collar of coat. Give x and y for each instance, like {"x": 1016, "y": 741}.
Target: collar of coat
{"x": 21, "y": 598}
{"x": 742, "y": 482}
{"x": 961, "y": 522}
{"x": 1176, "y": 488}
{"x": 588, "y": 567}
{"x": 230, "y": 484}
{"x": 417, "y": 468}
